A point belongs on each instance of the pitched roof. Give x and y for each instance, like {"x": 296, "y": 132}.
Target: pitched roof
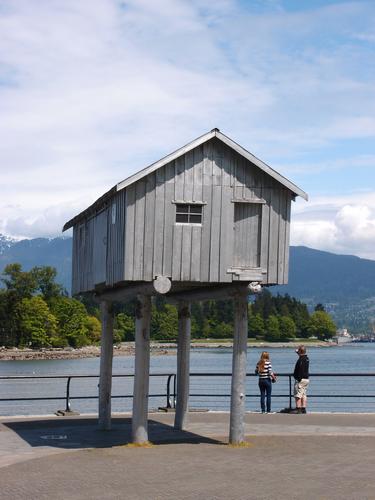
{"x": 176, "y": 154}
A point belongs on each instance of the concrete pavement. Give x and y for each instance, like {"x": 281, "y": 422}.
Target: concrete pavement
{"x": 313, "y": 456}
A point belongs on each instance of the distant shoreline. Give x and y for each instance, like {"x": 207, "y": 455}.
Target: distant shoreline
{"x": 128, "y": 349}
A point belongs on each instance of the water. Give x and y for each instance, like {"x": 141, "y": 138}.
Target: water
{"x": 205, "y": 391}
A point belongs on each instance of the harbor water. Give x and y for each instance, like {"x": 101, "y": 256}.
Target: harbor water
{"x": 327, "y": 393}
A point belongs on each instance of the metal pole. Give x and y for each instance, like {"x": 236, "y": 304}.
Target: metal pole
{"x": 238, "y": 389}
{"x": 290, "y": 392}
{"x": 142, "y": 369}
{"x": 106, "y": 355}
{"x": 183, "y": 365}
{"x": 67, "y": 404}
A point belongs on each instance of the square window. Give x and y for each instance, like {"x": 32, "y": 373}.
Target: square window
{"x": 189, "y": 213}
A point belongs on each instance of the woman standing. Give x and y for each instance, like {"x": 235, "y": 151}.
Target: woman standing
{"x": 266, "y": 376}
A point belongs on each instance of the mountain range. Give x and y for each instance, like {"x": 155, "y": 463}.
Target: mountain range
{"x": 344, "y": 284}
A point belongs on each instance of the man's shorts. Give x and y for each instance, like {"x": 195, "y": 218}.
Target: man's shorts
{"x": 300, "y": 388}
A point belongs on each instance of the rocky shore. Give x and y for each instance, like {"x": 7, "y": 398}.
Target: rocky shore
{"x": 128, "y": 349}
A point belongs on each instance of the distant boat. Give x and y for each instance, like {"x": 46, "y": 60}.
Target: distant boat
{"x": 343, "y": 336}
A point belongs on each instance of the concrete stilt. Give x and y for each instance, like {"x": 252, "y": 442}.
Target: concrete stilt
{"x": 183, "y": 365}
{"x": 237, "y": 407}
{"x": 141, "y": 370}
{"x": 106, "y": 356}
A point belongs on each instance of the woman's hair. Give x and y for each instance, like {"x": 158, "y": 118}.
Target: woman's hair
{"x": 262, "y": 361}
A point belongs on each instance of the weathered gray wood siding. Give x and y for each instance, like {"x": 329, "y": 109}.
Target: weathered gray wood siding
{"x": 143, "y": 240}
{"x": 116, "y": 239}
{"x": 83, "y": 242}
{"x": 219, "y": 178}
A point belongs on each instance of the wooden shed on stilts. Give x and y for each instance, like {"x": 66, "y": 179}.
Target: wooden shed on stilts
{"x": 208, "y": 221}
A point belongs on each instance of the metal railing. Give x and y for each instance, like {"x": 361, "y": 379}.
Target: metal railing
{"x": 208, "y": 388}
{"x": 68, "y": 397}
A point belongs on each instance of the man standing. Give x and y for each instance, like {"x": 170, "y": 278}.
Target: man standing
{"x": 301, "y": 375}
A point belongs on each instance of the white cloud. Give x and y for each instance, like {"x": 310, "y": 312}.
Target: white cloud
{"x": 338, "y": 225}
{"x": 92, "y": 91}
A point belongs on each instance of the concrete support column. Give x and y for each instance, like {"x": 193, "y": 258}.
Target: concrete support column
{"x": 237, "y": 407}
{"x": 183, "y": 365}
{"x": 106, "y": 356}
{"x": 141, "y": 369}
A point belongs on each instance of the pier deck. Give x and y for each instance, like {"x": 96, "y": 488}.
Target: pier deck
{"x": 325, "y": 456}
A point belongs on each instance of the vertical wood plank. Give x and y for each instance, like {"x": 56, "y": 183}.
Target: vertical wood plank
{"x": 139, "y": 229}
{"x": 239, "y": 178}
{"x": 129, "y": 233}
{"x": 196, "y": 246}
{"x": 226, "y": 233}
{"x": 287, "y": 240}
{"x": 227, "y": 163}
{"x": 282, "y": 229}
{"x": 265, "y": 228}
{"x": 198, "y": 174}
{"x": 207, "y": 212}
{"x": 186, "y": 253}
{"x": 215, "y": 234}
{"x": 217, "y": 163}
{"x": 189, "y": 176}
{"x": 159, "y": 221}
{"x": 273, "y": 241}
{"x": 169, "y": 218}
{"x": 176, "y": 254}
{"x": 179, "y": 178}
{"x": 149, "y": 227}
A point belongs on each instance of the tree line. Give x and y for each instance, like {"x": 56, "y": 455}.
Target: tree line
{"x": 37, "y": 312}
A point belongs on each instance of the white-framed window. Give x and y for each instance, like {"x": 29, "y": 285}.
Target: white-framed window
{"x": 189, "y": 213}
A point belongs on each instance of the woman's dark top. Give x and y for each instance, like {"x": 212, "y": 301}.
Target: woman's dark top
{"x": 301, "y": 370}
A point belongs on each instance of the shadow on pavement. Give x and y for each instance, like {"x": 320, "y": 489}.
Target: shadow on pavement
{"x": 76, "y": 433}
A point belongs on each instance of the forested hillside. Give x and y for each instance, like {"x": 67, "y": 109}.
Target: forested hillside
{"x": 35, "y": 312}
{"x": 344, "y": 284}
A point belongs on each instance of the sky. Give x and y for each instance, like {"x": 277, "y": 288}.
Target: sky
{"x": 92, "y": 91}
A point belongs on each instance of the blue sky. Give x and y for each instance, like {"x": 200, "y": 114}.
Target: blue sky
{"x": 92, "y": 91}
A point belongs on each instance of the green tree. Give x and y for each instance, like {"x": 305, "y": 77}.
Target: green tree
{"x": 287, "y": 328}
{"x": 321, "y": 325}
{"x": 94, "y": 329}
{"x": 222, "y": 331}
{"x": 164, "y": 324}
{"x": 45, "y": 280}
{"x": 256, "y": 326}
{"x": 20, "y": 284}
{"x": 37, "y": 324}
{"x": 126, "y": 327}
{"x": 71, "y": 316}
{"x": 272, "y": 330}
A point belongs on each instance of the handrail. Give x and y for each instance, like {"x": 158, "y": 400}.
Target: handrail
{"x": 171, "y": 387}
{"x": 68, "y": 397}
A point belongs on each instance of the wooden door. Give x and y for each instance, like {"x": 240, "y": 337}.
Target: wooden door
{"x": 247, "y": 224}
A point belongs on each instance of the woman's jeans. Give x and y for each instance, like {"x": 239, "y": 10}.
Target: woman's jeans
{"x": 265, "y": 386}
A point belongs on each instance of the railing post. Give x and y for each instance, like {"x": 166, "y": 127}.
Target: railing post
{"x": 290, "y": 392}
{"x": 67, "y": 404}
{"x": 174, "y": 390}
{"x": 169, "y": 392}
